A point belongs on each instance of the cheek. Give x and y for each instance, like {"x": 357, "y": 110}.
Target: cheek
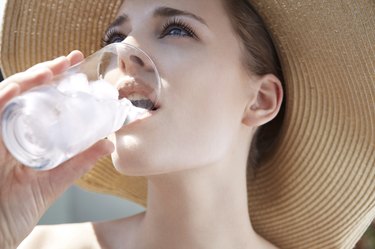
{"x": 210, "y": 135}
{"x": 206, "y": 116}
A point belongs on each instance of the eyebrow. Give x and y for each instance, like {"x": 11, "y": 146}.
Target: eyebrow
{"x": 159, "y": 12}
{"x": 168, "y": 12}
{"x": 118, "y": 22}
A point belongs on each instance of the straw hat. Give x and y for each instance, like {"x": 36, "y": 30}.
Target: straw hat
{"x": 317, "y": 190}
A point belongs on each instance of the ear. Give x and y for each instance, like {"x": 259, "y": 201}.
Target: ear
{"x": 266, "y": 103}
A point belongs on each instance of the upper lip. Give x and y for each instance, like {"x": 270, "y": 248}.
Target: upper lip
{"x": 131, "y": 85}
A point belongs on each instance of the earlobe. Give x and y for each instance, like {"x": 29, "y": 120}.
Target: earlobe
{"x": 267, "y": 102}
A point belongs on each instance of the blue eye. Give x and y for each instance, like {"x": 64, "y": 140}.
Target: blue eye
{"x": 174, "y": 28}
{"x": 177, "y": 28}
{"x": 175, "y": 31}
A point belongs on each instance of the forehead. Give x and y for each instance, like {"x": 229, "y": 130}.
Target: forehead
{"x": 210, "y": 10}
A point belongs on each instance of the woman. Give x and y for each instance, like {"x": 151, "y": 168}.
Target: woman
{"x": 194, "y": 150}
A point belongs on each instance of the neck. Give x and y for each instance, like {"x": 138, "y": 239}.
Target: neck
{"x": 204, "y": 207}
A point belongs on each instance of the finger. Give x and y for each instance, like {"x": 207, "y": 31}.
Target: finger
{"x": 57, "y": 65}
{"x": 64, "y": 175}
{"x": 28, "y": 79}
{"x": 43, "y": 72}
{"x": 75, "y": 57}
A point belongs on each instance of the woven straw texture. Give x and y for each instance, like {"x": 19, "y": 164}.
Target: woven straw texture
{"x": 35, "y": 31}
{"x": 317, "y": 190}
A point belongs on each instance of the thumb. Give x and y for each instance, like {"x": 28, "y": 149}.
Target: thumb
{"x": 63, "y": 176}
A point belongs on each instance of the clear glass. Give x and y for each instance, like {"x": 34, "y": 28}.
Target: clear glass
{"x": 51, "y": 123}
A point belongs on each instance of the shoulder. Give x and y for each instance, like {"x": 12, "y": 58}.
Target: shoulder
{"x": 75, "y": 236}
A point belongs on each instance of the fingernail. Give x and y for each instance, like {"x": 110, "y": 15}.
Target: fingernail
{"x": 71, "y": 53}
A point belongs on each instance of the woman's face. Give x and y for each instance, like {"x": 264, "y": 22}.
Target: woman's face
{"x": 205, "y": 88}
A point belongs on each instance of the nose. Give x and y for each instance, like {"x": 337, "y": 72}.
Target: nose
{"x": 131, "y": 64}
{"x": 132, "y": 61}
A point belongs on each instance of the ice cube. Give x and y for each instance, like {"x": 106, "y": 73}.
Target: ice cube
{"x": 74, "y": 83}
{"x": 101, "y": 89}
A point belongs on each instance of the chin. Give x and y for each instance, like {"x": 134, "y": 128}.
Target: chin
{"x": 129, "y": 165}
{"x": 136, "y": 163}
{"x": 129, "y": 157}
{"x": 134, "y": 157}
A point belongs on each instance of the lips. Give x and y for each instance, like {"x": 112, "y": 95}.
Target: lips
{"x": 138, "y": 92}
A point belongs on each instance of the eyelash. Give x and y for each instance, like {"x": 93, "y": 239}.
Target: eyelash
{"x": 112, "y": 34}
{"x": 177, "y": 23}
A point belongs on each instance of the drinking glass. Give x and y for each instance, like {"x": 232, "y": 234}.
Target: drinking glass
{"x": 49, "y": 124}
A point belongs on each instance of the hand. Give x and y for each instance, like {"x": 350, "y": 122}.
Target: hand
{"x": 25, "y": 194}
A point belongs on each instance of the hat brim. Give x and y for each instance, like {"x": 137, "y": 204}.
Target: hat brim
{"x": 317, "y": 190}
